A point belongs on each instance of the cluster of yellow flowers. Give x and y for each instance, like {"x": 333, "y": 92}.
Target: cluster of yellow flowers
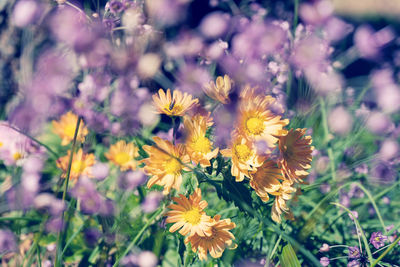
{"x": 205, "y": 234}
{"x": 258, "y": 133}
{"x": 121, "y": 154}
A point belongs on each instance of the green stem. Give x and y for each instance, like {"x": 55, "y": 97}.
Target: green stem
{"x": 365, "y": 241}
{"x": 327, "y": 137}
{"x": 385, "y": 252}
{"x": 373, "y": 204}
{"x": 59, "y": 239}
{"x": 295, "y": 15}
{"x": 275, "y": 247}
{"x": 130, "y": 246}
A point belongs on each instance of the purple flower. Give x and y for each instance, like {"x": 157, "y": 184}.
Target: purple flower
{"x": 152, "y": 201}
{"x": 369, "y": 43}
{"x": 92, "y": 236}
{"x": 8, "y": 242}
{"x": 389, "y": 149}
{"x": 324, "y": 261}
{"x": 116, "y": 6}
{"x": 382, "y": 173}
{"x": 131, "y": 180}
{"x": 362, "y": 169}
{"x": 324, "y": 248}
{"x": 317, "y": 13}
{"x": 192, "y": 77}
{"x": 354, "y": 263}
{"x": 100, "y": 171}
{"x": 258, "y": 40}
{"x": 340, "y": 121}
{"x": 377, "y": 239}
{"x": 379, "y": 123}
{"x": 354, "y": 252}
{"x": 26, "y": 12}
{"x": 214, "y": 24}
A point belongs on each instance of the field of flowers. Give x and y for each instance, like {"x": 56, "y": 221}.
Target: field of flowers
{"x": 174, "y": 133}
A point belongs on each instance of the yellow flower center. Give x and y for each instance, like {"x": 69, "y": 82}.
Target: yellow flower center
{"x": 1, "y": 144}
{"x": 192, "y": 216}
{"x": 242, "y": 152}
{"x": 69, "y": 130}
{"x": 202, "y": 145}
{"x": 78, "y": 166}
{"x": 121, "y": 158}
{"x": 17, "y": 156}
{"x": 172, "y": 166}
{"x": 173, "y": 108}
{"x": 255, "y": 125}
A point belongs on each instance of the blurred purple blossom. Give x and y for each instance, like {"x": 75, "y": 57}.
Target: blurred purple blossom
{"x": 324, "y": 261}
{"x": 152, "y": 201}
{"x": 8, "y": 242}
{"x": 131, "y": 180}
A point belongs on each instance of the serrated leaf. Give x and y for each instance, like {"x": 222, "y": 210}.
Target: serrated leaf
{"x": 288, "y": 257}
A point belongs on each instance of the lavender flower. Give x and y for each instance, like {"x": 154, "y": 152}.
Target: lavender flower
{"x": 131, "y": 180}
{"x": 324, "y": 248}
{"x": 324, "y": 261}
{"x": 152, "y": 201}
{"x": 354, "y": 252}
{"x": 8, "y": 242}
{"x": 377, "y": 239}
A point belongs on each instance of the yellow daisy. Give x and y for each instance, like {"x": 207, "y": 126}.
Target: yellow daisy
{"x": 216, "y": 242}
{"x": 65, "y": 128}
{"x": 219, "y": 90}
{"x": 266, "y": 180}
{"x": 123, "y": 155}
{"x": 188, "y": 215}
{"x": 198, "y": 146}
{"x": 295, "y": 155}
{"x": 81, "y": 164}
{"x": 256, "y": 121}
{"x": 165, "y": 164}
{"x": 282, "y": 196}
{"x": 244, "y": 157}
{"x": 175, "y": 105}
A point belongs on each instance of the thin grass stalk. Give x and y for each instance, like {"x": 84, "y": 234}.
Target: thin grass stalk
{"x": 59, "y": 240}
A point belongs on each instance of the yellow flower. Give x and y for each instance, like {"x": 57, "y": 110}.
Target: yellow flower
{"x": 256, "y": 120}
{"x": 266, "y": 180}
{"x": 175, "y": 105}
{"x": 81, "y": 164}
{"x": 245, "y": 159}
{"x": 65, "y": 128}
{"x": 284, "y": 194}
{"x": 295, "y": 155}
{"x": 123, "y": 155}
{"x": 216, "y": 242}
{"x": 198, "y": 146}
{"x": 189, "y": 215}
{"x": 165, "y": 164}
{"x": 220, "y": 89}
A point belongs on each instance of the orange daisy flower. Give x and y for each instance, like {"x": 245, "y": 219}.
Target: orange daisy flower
{"x": 65, "y": 128}
{"x": 165, "y": 163}
{"x": 81, "y": 164}
{"x": 175, "y": 105}
{"x": 256, "y": 121}
{"x": 123, "y": 155}
{"x": 244, "y": 157}
{"x": 219, "y": 90}
{"x": 198, "y": 146}
{"x": 189, "y": 216}
{"x": 282, "y": 196}
{"x": 266, "y": 180}
{"x": 216, "y": 242}
{"x": 295, "y": 155}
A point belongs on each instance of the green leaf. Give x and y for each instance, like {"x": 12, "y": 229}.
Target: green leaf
{"x": 171, "y": 259}
{"x": 288, "y": 257}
